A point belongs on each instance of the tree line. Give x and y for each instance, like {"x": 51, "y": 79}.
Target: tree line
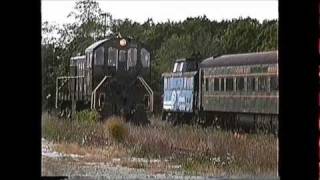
{"x": 167, "y": 41}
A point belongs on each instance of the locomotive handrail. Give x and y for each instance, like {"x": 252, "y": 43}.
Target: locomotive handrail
{"x": 145, "y": 84}
{"x": 93, "y": 94}
{"x": 58, "y": 88}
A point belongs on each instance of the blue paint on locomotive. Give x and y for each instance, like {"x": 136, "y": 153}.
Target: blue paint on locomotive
{"x": 178, "y": 94}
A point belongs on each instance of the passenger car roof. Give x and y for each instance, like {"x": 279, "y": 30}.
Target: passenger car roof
{"x": 269, "y": 57}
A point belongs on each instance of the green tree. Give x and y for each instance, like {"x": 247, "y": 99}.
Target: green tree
{"x": 167, "y": 41}
{"x": 268, "y": 37}
{"x": 72, "y": 40}
{"x": 240, "y": 36}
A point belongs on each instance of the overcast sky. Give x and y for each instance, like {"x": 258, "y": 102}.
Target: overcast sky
{"x": 56, "y": 11}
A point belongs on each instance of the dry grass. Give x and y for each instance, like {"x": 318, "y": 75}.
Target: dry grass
{"x": 207, "y": 150}
{"x": 72, "y": 131}
{"x": 197, "y": 150}
{"x": 71, "y": 148}
{"x": 92, "y": 154}
{"x": 136, "y": 165}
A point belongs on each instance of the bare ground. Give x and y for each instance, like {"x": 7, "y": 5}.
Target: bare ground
{"x": 84, "y": 165}
{"x": 77, "y": 166}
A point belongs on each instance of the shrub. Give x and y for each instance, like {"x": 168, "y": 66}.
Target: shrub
{"x": 116, "y": 128}
{"x": 87, "y": 116}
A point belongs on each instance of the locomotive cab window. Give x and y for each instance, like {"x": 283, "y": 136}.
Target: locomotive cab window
{"x": 89, "y": 60}
{"x": 189, "y": 66}
{"x": 122, "y": 63}
{"x": 145, "y": 58}
{"x": 112, "y": 56}
{"x": 181, "y": 67}
{"x": 122, "y": 56}
{"x": 99, "y": 56}
{"x": 178, "y": 66}
{"x": 175, "y": 67}
{"x": 132, "y": 57}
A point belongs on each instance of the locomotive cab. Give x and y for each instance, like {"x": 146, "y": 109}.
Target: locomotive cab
{"x": 112, "y": 78}
{"x": 180, "y": 91}
{"x": 118, "y": 56}
{"x": 185, "y": 65}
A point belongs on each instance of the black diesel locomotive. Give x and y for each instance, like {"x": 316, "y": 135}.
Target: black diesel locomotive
{"x": 112, "y": 78}
{"x": 237, "y": 91}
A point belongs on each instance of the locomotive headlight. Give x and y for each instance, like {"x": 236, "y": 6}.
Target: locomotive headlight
{"x": 123, "y": 42}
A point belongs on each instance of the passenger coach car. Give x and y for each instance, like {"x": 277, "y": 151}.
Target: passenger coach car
{"x": 232, "y": 91}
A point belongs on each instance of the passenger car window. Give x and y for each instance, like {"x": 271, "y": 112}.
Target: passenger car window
{"x": 262, "y": 83}
{"x": 251, "y": 84}
{"x": 145, "y": 58}
{"x": 112, "y": 56}
{"x": 216, "y": 84}
{"x": 99, "y": 56}
{"x": 229, "y": 84}
{"x": 240, "y": 83}
{"x": 274, "y": 84}
{"x": 222, "y": 84}
{"x": 207, "y": 84}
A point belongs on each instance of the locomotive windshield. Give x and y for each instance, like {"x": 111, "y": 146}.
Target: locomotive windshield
{"x": 132, "y": 57}
{"x": 112, "y": 56}
{"x": 99, "y": 56}
{"x": 178, "y": 67}
{"x": 122, "y": 64}
{"x": 145, "y": 58}
{"x": 89, "y": 60}
{"x": 122, "y": 56}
